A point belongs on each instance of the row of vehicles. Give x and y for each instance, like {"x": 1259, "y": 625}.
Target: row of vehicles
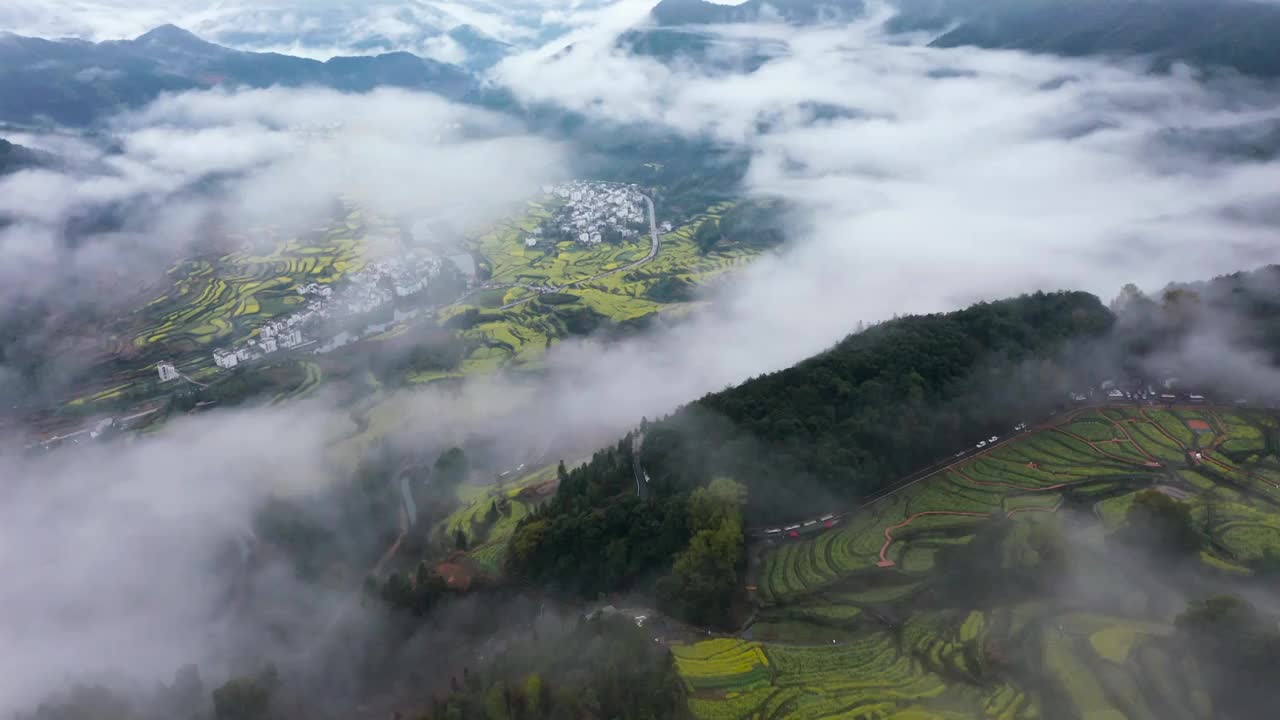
{"x": 828, "y": 521}
{"x": 1020, "y": 427}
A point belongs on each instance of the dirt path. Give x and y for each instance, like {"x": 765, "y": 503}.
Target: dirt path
{"x": 1151, "y": 462}
{"x": 1056, "y": 506}
{"x": 885, "y": 562}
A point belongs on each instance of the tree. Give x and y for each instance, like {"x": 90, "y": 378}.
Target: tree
{"x": 460, "y": 540}
{"x": 246, "y": 698}
{"x": 704, "y": 576}
{"x": 450, "y": 469}
{"x": 1161, "y": 523}
{"x": 1237, "y": 647}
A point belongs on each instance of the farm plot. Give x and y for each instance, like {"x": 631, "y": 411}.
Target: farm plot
{"x": 1096, "y": 455}
{"x": 882, "y": 617}
{"x": 518, "y": 336}
{"x": 221, "y": 300}
{"x": 869, "y": 676}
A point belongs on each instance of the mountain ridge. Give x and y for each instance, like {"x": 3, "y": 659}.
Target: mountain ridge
{"x": 78, "y": 83}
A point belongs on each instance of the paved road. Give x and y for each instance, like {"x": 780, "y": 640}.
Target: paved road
{"x": 642, "y": 477}
{"x": 972, "y": 452}
{"x": 928, "y": 471}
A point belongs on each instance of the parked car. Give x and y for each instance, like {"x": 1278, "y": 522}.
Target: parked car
{"x": 994, "y": 438}
{"x": 982, "y": 444}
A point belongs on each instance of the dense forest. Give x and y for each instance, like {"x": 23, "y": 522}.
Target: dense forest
{"x": 605, "y": 667}
{"x": 845, "y": 424}
{"x": 839, "y": 426}
{"x": 881, "y": 403}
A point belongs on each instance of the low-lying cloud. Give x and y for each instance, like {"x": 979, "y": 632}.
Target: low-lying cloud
{"x": 109, "y": 551}
{"x": 318, "y": 29}
{"x": 932, "y": 178}
{"x": 261, "y": 158}
{"x": 923, "y": 180}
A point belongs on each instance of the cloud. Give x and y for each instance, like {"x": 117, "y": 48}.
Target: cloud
{"x": 973, "y": 173}
{"x": 937, "y": 178}
{"x": 279, "y": 157}
{"x": 311, "y": 28}
{"x": 108, "y": 551}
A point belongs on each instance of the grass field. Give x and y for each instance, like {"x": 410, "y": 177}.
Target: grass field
{"x": 865, "y": 620}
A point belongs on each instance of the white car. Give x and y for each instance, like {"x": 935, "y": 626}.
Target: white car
{"x": 994, "y": 438}
{"x": 982, "y": 444}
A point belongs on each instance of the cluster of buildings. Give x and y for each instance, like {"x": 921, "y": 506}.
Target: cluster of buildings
{"x": 377, "y": 287}
{"x": 593, "y": 212}
{"x": 1169, "y": 392}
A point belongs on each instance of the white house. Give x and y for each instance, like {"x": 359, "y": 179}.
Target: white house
{"x": 268, "y": 345}
{"x": 531, "y": 242}
{"x": 167, "y": 372}
{"x": 291, "y": 339}
{"x": 224, "y": 359}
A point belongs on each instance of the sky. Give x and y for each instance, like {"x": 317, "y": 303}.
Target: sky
{"x": 950, "y": 176}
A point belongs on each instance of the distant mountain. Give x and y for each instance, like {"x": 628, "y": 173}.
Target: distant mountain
{"x": 671, "y": 13}
{"x": 671, "y": 33}
{"x": 1236, "y": 34}
{"x": 483, "y": 51}
{"x": 77, "y": 83}
{"x": 704, "y": 50}
{"x": 16, "y": 157}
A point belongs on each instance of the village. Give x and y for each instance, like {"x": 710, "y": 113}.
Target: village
{"x": 377, "y": 287}
{"x": 593, "y": 212}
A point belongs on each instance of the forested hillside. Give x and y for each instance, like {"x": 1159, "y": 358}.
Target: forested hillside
{"x": 835, "y": 428}
{"x": 1234, "y": 34}
{"x": 881, "y": 403}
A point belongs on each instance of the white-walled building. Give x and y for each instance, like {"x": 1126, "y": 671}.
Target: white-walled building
{"x": 167, "y": 371}
{"x": 291, "y": 338}
{"x": 225, "y": 359}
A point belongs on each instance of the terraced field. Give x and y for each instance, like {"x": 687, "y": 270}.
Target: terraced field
{"x": 870, "y": 677}
{"x": 874, "y": 619}
{"x": 219, "y": 301}
{"x": 1097, "y": 460}
{"x": 519, "y": 335}
{"x": 487, "y": 541}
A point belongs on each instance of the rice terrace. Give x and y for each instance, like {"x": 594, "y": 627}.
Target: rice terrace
{"x": 951, "y": 599}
